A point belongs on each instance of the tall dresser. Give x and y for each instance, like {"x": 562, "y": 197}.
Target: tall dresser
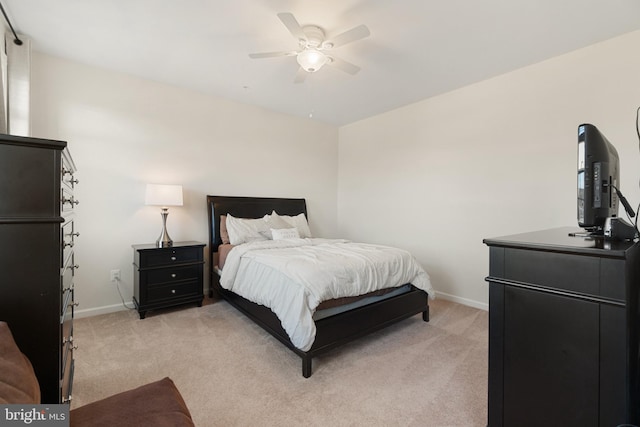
{"x": 37, "y": 236}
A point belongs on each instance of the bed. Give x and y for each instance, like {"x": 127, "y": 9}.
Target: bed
{"x": 334, "y": 326}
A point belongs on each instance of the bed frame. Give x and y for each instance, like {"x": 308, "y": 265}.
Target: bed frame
{"x": 332, "y": 331}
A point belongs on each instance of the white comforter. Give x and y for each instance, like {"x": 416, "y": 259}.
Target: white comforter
{"x": 293, "y": 276}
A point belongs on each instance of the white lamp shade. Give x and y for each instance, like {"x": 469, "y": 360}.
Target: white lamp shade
{"x": 163, "y": 195}
{"x": 311, "y": 59}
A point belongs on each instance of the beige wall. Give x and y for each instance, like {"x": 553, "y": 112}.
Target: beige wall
{"x": 435, "y": 177}
{"x": 124, "y": 132}
{"x": 494, "y": 158}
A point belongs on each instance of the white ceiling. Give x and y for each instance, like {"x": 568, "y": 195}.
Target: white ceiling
{"x": 417, "y": 48}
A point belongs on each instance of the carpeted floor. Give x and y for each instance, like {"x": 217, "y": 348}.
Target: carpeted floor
{"x": 232, "y": 373}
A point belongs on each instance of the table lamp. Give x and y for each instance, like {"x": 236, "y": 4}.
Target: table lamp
{"x": 164, "y": 195}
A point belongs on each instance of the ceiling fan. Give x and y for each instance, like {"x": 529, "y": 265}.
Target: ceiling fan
{"x": 314, "y": 48}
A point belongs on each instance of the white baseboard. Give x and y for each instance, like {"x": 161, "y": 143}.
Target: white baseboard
{"x": 118, "y": 307}
{"x": 99, "y": 310}
{"x": 471, "y": 303}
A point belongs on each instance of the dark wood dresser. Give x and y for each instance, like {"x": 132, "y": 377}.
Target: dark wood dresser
{"x": 563, "y": 330}
{"x": 37, "y": 236}
{"x": 166, "y": 277}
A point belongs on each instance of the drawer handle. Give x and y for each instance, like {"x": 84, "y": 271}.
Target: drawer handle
{"x": 71, "y": 201}
{"x": 67, "y": 399}
{"x": 173, "y": 258}
{"x": 173, "y": 291}
{"x": 173, "y": 275}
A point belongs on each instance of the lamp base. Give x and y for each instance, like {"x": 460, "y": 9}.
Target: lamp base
{"x": 164, "y": 241}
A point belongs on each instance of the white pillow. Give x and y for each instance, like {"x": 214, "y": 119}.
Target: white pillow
{"x": 275, "y": 221}
{"x": 244, "y": 230}
{"x": 298, "y": 221}
{"x": 285, "y": 233}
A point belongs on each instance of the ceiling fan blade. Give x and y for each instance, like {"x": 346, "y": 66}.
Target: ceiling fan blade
{"x": 343, "y": 65}
{"x": 357, "y": 33}
{"x": 292, "y": 25}
{"x": 301, "y": 75}
{"x": 271, "y": 54}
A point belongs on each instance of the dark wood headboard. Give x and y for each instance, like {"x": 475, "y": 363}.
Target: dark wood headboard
{"x": 243, "y": 207}
{"x": 247, "y": 207}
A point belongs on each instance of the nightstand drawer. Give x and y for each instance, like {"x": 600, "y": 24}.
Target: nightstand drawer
{"x": 174, "y": 290}
{"x": 169, "y": 256}
{"x": 173, "y": 274}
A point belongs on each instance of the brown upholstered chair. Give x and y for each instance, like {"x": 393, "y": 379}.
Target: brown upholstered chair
{"x": 156, "y": 404}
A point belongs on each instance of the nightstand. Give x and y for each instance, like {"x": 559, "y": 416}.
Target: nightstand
{"x": 166, "y": 277}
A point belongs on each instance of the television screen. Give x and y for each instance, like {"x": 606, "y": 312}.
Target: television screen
{"x": 598, "y": 174}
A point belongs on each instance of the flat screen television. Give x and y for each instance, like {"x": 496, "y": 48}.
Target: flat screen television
{"x": 598, "y": 176}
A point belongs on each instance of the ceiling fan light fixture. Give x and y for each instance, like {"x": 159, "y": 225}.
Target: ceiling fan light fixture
{"x": 315, "y": 51}
{"x": 311, "y": 60}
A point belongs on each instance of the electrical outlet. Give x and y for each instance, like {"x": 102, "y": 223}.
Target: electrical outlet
{"x": 115, "y": 275}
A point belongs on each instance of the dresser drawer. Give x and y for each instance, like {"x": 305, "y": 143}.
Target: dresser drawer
{"x": 172, "y": 274}
{"x": 66, "y": 311}
{"x": 67, "y": 175}
{"x": 66, "y": 275}
{"x": 67, "y": 200}
{"x": 569, "y": 272}
{"x": 169, "y": 256}
{"x": 66, "y": 351}
{"x": 66, "y": 380}
{"x": 66, "y": 325}
{"x": 67, "y": 240}
{"x": 174, "y": 290}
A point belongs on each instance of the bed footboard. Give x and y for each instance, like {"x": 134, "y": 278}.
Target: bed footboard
{"x": 344, "y": 327}
{"x": 337, "y": 330}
